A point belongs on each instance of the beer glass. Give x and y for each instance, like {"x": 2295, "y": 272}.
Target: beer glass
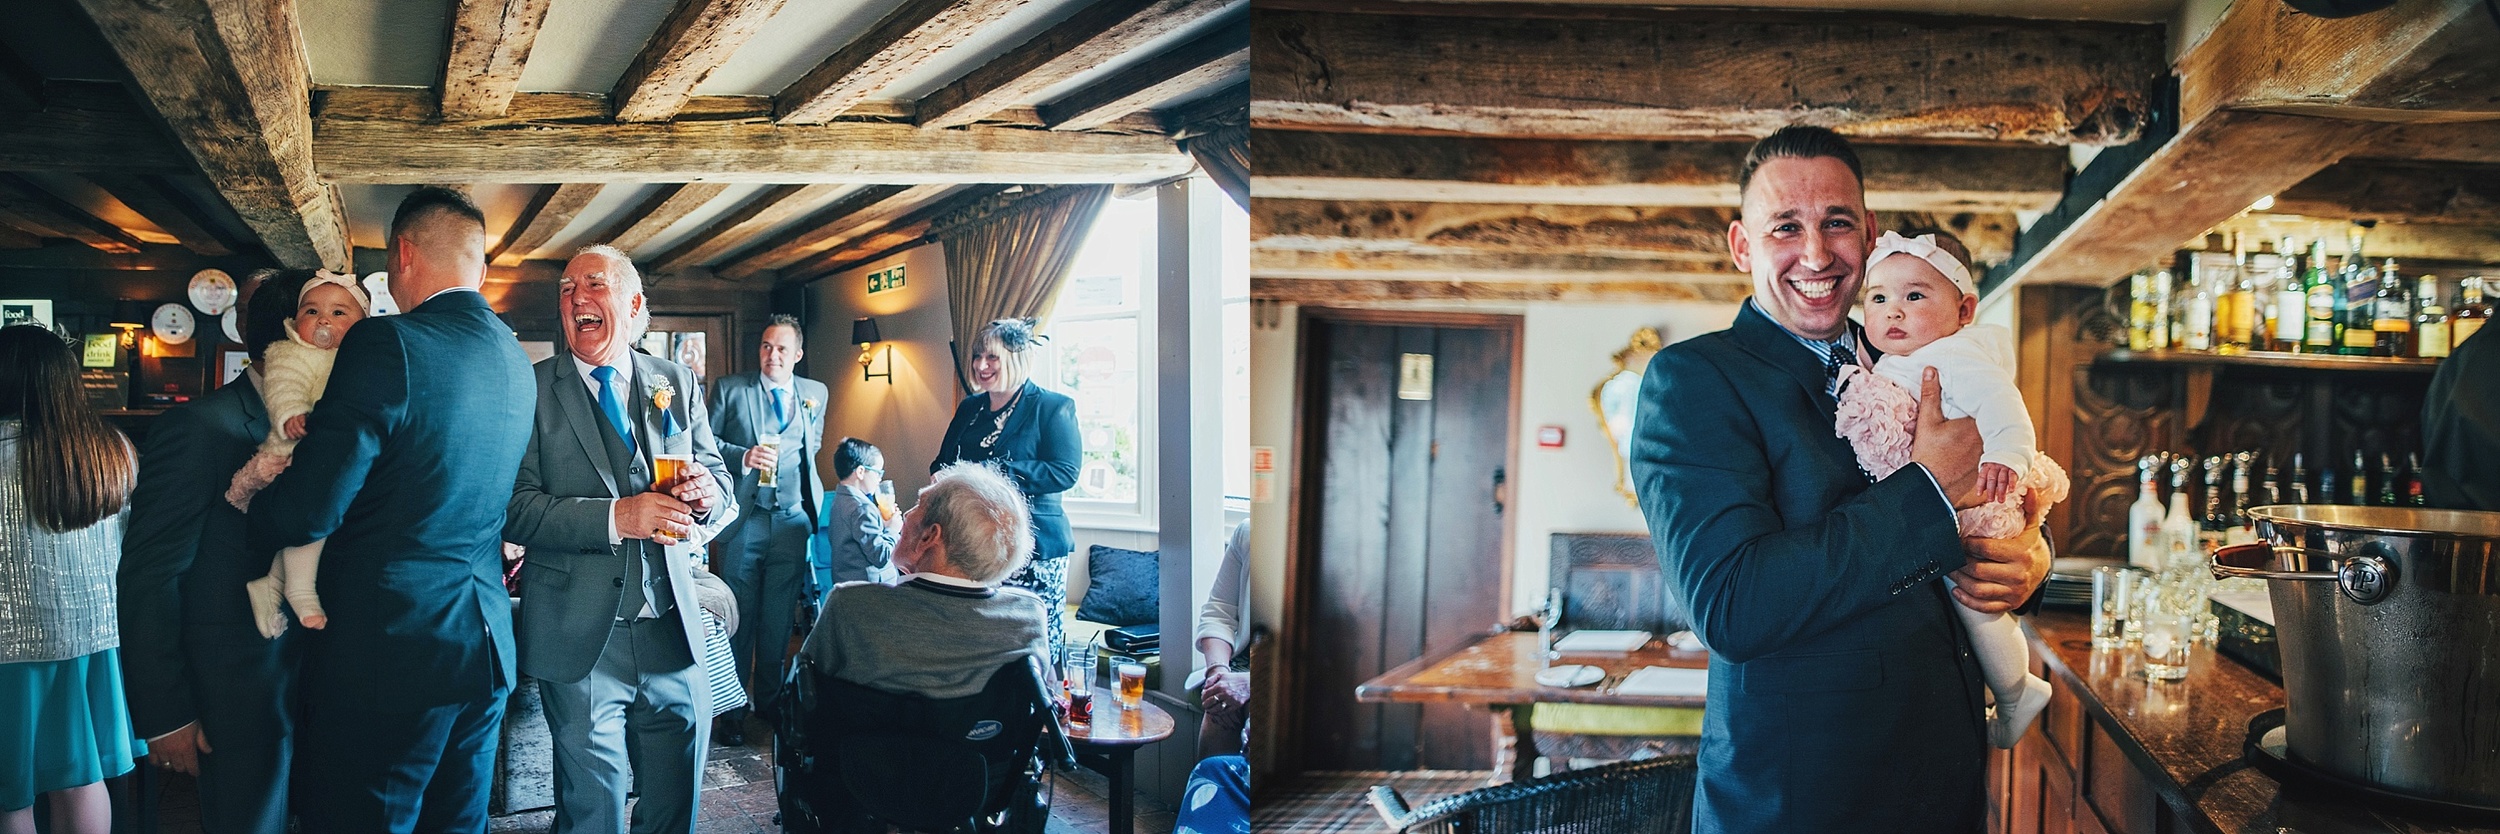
{"x": 770, "y": 476}
{"x": 1078, "y": 677}
{"x": 1132, "y": 685}
{"x": 666, "y": 468}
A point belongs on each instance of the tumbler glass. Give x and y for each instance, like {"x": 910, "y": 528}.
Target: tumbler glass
{"x": 2169, "y": 633}
{"x": 2113, "y": 602}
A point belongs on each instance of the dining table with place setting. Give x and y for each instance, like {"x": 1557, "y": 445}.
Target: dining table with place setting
{"x": 1510, "y": 671}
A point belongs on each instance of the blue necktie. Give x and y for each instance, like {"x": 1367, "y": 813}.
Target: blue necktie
{"x": 614, "y": 408}
{"x": 779, "y": 412}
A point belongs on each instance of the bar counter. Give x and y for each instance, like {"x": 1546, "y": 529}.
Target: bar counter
{"x": 2116, "y": 752}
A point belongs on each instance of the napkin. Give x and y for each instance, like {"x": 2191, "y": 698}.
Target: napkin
{"x": 1662, "y": 680}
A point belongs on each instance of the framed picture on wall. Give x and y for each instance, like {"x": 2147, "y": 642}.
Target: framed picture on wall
{"x": 19, "y": 311}
{"x": 231, "y": 364}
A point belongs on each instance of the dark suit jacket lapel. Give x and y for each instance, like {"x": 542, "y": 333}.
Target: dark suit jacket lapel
{"x": 255, "y": 414}
{"x": 573, "y": 396}
{"x": 1773, "y": 344}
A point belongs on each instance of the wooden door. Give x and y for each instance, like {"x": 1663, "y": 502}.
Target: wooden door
{"x": 700, "y": 342}
{"x": 1409, "y": 427}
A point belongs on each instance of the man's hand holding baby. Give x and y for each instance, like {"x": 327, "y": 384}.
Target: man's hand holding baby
{"x": 1949, "y": 449}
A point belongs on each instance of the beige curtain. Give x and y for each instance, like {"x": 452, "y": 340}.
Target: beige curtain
{"x": 1007, "y": 261}
{"x": 1224, "y": 153}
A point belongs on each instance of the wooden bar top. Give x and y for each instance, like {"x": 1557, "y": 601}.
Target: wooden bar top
{"x": 2187, "y": 737}
{"x": 1500, "y": 668}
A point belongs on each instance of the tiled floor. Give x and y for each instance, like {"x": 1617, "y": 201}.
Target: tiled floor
{"x": 1336, "y": 803}
{"x": 738, "y": 799}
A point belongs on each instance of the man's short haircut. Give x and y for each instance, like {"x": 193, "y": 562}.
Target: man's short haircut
{"x": 981, "y": 519}
{"x": 789, "y": 321}
{"x": 627, "y": 277}
{"x": 430, "y": 202}
{"x": 1799, "y": 142}
{"x": 853, "y": 453}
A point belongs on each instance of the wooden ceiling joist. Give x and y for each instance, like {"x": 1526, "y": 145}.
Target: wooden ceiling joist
{"x": 1096, "y": 35}
{"x": 171, "y": 210}
{"x": 1204, "y": 60}
{"x": 1696, "y": 235}
{"x": 697, "y": 38}
{"x": 904, "y": 231}
{"x": 229, "y": 78}
{"x": 1633, "y": 73}
{"x": 367, "y": 138}
{"x": 1325, "y": 291}
{"x": 88, "y": 126}
{"x": 1986, "y": 178}
{"x": 902, "y": 41}
{"x": 2428, "y": 61}
{"x": 490, "y": 46}
{"x": 63, "y": 218}
{"x": 2468, "y": 142}
{"x": 2399, "y": 192}
{"x": 11, "y": 238}
{"x": 548, "y": 212}
{"x": 765, "y": 211}
{"x": 656, "y": 214}
{"x": 858, "y": 211}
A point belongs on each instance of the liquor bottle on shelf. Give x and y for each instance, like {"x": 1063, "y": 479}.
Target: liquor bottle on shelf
{"x": 2300, "y": 482}
{"x": 2392, "y": 314}
{"x": 2330, "y": 487}
{"x": 2214, "y": 526}
{"x": 2274, "y": 482}
{"x": 2470, "y": 314}
{"x": 2178, "y": 530}
{"x": 2235, "y": 307}
{"x": 2360, "y": 299}
{"x": 2145, "y": 322}
{"x": 2388, "y": 487}
{"x": 2291, "y": 300}
{"x": 2145, "y": 547}
{"x": 2430, "y": 321}
{"x": 2360, "y": 475}
{"x": 2198, "y": 313}
{"x": 2325, "y": 301}
{"x": 2236, "y": 511}
{"x": 2413, "y": 481}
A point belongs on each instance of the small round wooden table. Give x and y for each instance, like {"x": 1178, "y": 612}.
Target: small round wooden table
{"x": 1108, "y": 745}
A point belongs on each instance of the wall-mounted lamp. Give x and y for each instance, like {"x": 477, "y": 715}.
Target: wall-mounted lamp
{"x": 130, "y": 317}
{"x": 864, "y": 334}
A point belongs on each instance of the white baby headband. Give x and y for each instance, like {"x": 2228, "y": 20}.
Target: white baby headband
{"x": 345, "y": 282}
{"x": 1924, "y": 248}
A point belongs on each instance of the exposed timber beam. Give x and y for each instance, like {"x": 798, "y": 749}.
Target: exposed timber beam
{"x": 2400, "y": 192}
{"x": 697, "y": 38}
{"x": 867, "y": 244}
{"x": 171, "y": 210}
{"x": 547, "y": 213}
{"x": 1695, "y": 235}
{"x": 1995, "y": 178}
{"x": 1207, "y": 59}
{"x": 1096, "y": 35}
{"x": 647, "y": 220}
{"x": 1369, "y": 291}
{"x": 2428, "y": 61}
{"x": 766, "y": 211}
{"x": 538, "y": 111}
{"x": 88, "y": 126}
{"x": 229, "y": 79}
{"x": 904, "y": 40}
{"x": 63, "y": 218}
{"x": 2474, "y": 142}
{"x": 1637, "y": 73}
{"x": 859, "y": 211}
{"x": 357, "y": 148}
{"x": 489, "y": 48}
{"x": 11, "y": 238}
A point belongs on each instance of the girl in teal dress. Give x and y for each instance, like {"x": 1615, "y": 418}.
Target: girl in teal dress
{"x": 65, "y": 477}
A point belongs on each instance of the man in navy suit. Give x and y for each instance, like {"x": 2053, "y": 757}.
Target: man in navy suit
{"x": 405, "y": 469}
{"x": 1843, "y": 695}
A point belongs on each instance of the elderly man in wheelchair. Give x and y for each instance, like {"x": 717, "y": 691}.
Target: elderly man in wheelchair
{"x": 923, "y": 706}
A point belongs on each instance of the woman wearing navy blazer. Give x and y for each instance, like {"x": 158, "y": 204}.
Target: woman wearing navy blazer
{"x": 1029, "y": 433}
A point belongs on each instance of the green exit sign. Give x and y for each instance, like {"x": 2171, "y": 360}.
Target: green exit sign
{"x": 890, "y": 278}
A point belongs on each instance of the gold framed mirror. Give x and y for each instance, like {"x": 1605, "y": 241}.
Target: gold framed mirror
{"x": 1617, "y": 398}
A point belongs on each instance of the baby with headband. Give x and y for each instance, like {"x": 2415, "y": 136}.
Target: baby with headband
{"x": 1918, "y": 303}
{"x": 293, "y": 374}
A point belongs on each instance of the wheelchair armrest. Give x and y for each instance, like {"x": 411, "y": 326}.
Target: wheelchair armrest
{"x": 1391, "y": 806}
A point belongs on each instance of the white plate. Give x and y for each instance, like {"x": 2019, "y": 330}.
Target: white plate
{"x": 1591, "y": 640}
{"x": 1570, "y": 676}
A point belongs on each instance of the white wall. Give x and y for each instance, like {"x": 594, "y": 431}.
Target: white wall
{"x": 906, "y": 419}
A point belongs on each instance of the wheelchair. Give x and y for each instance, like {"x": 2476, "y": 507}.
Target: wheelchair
{"x": 850, "y": 759}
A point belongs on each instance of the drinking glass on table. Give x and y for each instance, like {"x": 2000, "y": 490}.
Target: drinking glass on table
{"x": 1132, "y": 685}
{"x": 2113, "y": 602}
{"x": 1078, "y": 677}
{"x": 2169, "y": 627}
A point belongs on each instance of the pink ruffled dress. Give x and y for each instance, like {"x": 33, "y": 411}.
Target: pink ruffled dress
{"x": 1878, "y": 417}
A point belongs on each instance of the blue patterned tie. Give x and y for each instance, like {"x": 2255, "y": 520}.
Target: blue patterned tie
{"x": 614, "y": 408}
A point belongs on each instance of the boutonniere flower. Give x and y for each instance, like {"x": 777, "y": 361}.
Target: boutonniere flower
{"x": 807, "y": 404}
{"x": 661, "y": 394}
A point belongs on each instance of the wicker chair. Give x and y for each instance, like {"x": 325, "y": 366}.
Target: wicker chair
{"x": 1653, "y": 796}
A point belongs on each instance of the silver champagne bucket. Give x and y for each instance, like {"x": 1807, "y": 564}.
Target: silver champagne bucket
{"x": 2389, "y": 623}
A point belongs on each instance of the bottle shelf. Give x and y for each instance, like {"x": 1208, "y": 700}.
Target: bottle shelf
{"x": 2271, "y": 359}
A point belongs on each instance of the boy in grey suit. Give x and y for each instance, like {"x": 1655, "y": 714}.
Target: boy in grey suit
{"x": 607, "y": 624}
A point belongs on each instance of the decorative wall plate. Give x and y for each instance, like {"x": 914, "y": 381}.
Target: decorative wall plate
{"x": 233, "y": 327}
{"x": 212, "y": 290}
{"x": 173, "y": 324}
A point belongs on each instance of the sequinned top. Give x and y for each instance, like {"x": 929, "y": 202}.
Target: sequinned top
{"x": 56, "y": 589}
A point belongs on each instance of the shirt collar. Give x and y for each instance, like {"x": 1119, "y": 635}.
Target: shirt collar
{"x": 1822, "y": 349}
{"x": 623, "y": 369}
{"x": 439, "y": 293}
{"x": 943, "y": 579}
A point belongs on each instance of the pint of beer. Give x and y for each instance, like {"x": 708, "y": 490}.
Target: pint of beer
{"x": 667, "y": 468}
{"x": 771, "y": 476}
{"x": 1132, "y": 685}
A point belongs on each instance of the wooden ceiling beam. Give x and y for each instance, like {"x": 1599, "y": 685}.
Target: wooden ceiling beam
{"x": 1697, "y": 235}
{"x": 88, "y": 126}
{"x": 2470, "y": 142}
{"x": 1093, "y": 37}
{"x": 904, "y": 40}
{"x": 489, "y": 48}
{"x": 697, "y": 38}
{"x": 1994, "y": 178}
{"x": 171, "y": 210}
{"x": 656, "y": 214}
{"x": 855, "y": 212}
{"x": 361, "y": 145}
{"x": 1208, "y": 59}
{"x": 768, "y": 210}
{"x": 2467, "y": 195}
{"x": 870, "y": 243}
{"x": 229, "y": 78}
{"x": 1636, "y": 73}
{"x": 65, "y": 219}
{"x": 2429, "y": 61}
{"x": 11, "y": 238}
{"x": 548, "y": 212}
{"x": 1341, "y": 291}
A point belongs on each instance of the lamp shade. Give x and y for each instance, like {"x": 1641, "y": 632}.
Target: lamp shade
{"x": 863, "y": 331}
{"x": 130, "y": 314}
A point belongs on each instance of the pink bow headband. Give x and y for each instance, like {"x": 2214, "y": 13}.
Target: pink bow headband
{"x": 1924, "y": 248}
{"x": 346, "y": 282}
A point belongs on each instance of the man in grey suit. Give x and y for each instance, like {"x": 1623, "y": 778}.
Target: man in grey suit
{"x": 770, "y": 423}
{"x": 608, "y": 623}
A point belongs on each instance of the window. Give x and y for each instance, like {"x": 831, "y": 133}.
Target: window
{"x": 1236, "y": 289}
{"x": 1100, "y": 334}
